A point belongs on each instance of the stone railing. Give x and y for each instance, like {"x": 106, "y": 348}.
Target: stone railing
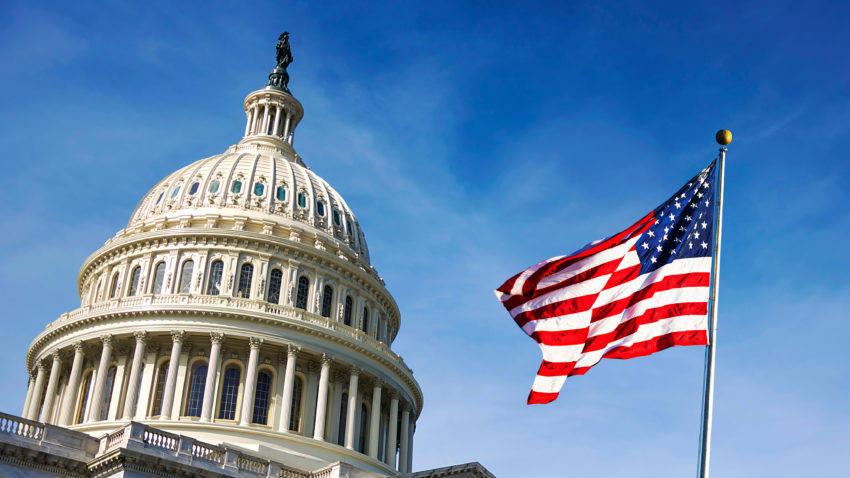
{"x": 250, "y": 463}
{"x": 21, "y": 427}
{"x": 249, "y": 305}
{"x": 205, "y": 451}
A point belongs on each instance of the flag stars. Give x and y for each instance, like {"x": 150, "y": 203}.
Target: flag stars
{"x": 696, "y": 234}
{"x": 688, "y": 218}
{"x": 693, "y": 205}
{"x": 677, "y": 204}
{"x": 704, "y": 224}
{"x": 671, "y": 216}
{"x": 658, "y": 248}
{"x": 653, "y": 259}
{"x": 645, "y": 246}
{"x": 704, "y": 245}
{"x": 650, "y": 233}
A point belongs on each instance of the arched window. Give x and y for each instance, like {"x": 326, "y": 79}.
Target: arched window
{"x": 229, "y": 393}
{"x": 295, "y": 405}
{"x": 343, "y": 418}
{"x": 275, "y": 279}
{"x": 113, "y": 288}
{"x": 320, "y": 208}
{"x": 364, "y": 324}
{"x": 302, "y": 200}
{"x": 158, "y": 278}
{"x": 194, "y": 188}
{"x": 245, "y": 275}
{"x": 84, "y": 398}
{"x": 214, "y": 186}
{"x": 107, "y": 392}
{"x": 134, "y": 281}
{"x": 186, "y": 276}
{"x": 281, "y": 193}
{"x": 346, "y": 311}
{"x": 259, "y": 189}
{"x": 327, "y": 296}
{"x": 236, "y": 187}
{"x": 301, "y": 297}
{"x": 159, "y": 387}
{"x": 196, "y": 389}
{"x": 262, "y": 395}
{"x": 214, "y": 283}
{"x": 364, "y": 422}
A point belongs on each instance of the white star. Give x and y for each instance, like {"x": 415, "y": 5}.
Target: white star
{"x": 696, "y": 234}
{"x": 683, "y": 196}
{"x": 667, "y": 229}
{"x": 700, "y": 216}
{"x": 645, "y": 246}
{"x": 693, "y": 205}
{"x": 705, "y": 185}
{"x": 665, "y": 237}
{"x": 706, "y": 202}
{"x": 650, "y": 233}
{"x": 676, "y": 239}
{"x": 688, "y": 218}
{"x": 690, "y": 245}
{"x": 704, "y": 224}
{"x": 654, "y": 260}
{"x": 700, "y": 195}
{"x": 677, "y": 204}
{"x": 671, "y": 216}
{"x": 704, "y": 245}
{"x": 656, "y": 221}
{"x": 658, "y": 248}
{"x": 681, "y": 228}
{"x": 673, "y": 251}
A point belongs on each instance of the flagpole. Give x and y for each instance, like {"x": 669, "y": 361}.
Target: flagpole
{"x": 723, "y": 137}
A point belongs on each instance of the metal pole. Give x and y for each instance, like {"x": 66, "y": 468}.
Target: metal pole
{"x": 708, "y": 398}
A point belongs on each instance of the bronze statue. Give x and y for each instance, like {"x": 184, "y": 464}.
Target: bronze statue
{"x": 284, "y": 54}
{"x": 279, "y": 78}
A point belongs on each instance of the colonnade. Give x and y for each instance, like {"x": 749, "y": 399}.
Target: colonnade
{"x": 125, "y": 385}
{"x": 272, "y": 119}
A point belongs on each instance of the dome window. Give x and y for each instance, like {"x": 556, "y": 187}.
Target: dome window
{"x": 194, "y": 188}
{"x": 320, "y": 209}
{"x": 174, "y": 193}
{"x": 302, "y": 200}
{"x": 160, "y": 197}
{"x": 337, "y": 220}
{"x": 281, "y": 193}
{"x": 237, "y": 187}
{"x": 259, "y": 189}
{"x": 214, "y": 186}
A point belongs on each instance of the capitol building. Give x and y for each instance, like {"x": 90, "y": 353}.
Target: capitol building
{"x": 234, "y": 327}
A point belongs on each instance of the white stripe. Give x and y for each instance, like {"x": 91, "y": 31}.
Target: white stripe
{"x": 577, "y": 320}
{"x": 584, "y": 288}
{"x": 666, "y": 297}
{"x": 561, "y": 353}
{"x": 645, "y": 332}
{"x": 601, "y": 257}
{"x": 548, "y": 384}
{"x": 520, "y": 281}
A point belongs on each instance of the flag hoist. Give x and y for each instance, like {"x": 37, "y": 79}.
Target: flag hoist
{"x": 646, "y": 288}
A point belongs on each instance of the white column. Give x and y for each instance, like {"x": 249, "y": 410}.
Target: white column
{"x": 276, "y": 120}
{"x": 69, "y": 405}
{"x": 96, "y": 399}
{"x": 212, "y": 371}
{"x": 177, "y": 337}
{"x": 250, "y": 120}
{"x": 148, "y": 374}
{"x": 403, "y": 446}
{"x": 322, "y": 399}
{"x": 30, "y": 387}
{"x": 264, "y": 125}
{"x": 375, "y": 420}
{"x": 411, "y": 429}
{"x": 135, "y": 370}
{"x": 52, "y": 383}
{"x": 351, "y": 415}
{"x": 38, "y": 391}
{"x": 288, "y": 384}
{"x": 250, "y": 380}
{"x": 392, "y": 434}
{"x": 286, "y": 126}
{"x": 254, "y": 119}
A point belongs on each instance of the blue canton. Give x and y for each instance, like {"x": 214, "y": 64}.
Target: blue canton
{"x": 684, "y": 225}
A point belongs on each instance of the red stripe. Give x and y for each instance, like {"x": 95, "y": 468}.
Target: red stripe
{"x": 540, "y": 397}
{"x": 656, "y": 344}
{"x": 596, "y": 271}
{"x": 622, "y": 276}
{"x": 629, "y": 327}
{"x": 528, "y": 288}
{"x": 561, "y": 337}
{"x": 555, "y": 369}
{"x": 557, "y": 309}
{"x": 674, "y": 281}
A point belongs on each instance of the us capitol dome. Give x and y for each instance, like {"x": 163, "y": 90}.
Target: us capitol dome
{"x": 236, "y": 319}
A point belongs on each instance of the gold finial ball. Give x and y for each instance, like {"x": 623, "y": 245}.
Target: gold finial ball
{"x": 723, "y": 137}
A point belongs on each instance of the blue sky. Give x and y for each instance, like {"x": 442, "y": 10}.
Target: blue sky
{"x": 473, "y": 140}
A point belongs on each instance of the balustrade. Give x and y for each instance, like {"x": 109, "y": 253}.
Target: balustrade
{"x": 21, "y": 426}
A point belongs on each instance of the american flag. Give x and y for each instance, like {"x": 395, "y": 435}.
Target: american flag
{"x": 635, "y": 293}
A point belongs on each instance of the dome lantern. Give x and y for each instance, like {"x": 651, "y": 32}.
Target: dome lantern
{"x": 272, "y": 112}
